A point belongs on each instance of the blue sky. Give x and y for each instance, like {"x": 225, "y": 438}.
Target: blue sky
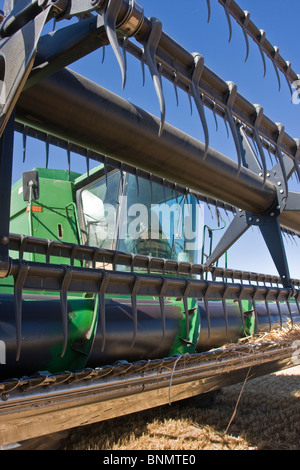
{"x": 187, "y": 23}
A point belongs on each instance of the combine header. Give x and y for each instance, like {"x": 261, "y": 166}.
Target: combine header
{"x": 109, "y": 302}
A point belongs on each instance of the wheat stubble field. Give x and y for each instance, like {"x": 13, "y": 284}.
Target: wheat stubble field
{"x": 262, "y": 415}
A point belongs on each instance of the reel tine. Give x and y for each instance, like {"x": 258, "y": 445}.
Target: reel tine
{"x": 137, "y": 182}
{"x": 207, "y": 315}
{"x": 103, "y": 54}
{"x": 105, "y": 170}
{"x": 124, "y": 46}
{"x": 186, "y": 308}
{"x": 18, "y": 290}
{"x": 260, "y": 46}
{"x": 290, "y": 311}
{"x": 110, "y": 18}
{"x": 64, "y": 305}
{"x": 143, "y": 66}
{"x": 196, "y": 76}
{"x": 208, "y": 10}
{"x": 162, "y": 306}
{"x": 230, "y": 101}
{"x": 25, "y": 132}
{"x": 276, "y": 52}
{"x": 279, "y": 155}
{"x": 297, "y": 159}
{"x": 137, "y": 283}
{"x": 175, "y": 87}
{"x": 47, "y": 149}
{"x": 241, "y": 312}
{"x": 215, "y": 115}
{"x": 258, "y": 119}
{"x": 227, "y": 13}
{"x": 69, "y": 157}
{"x": 101, "y": 306}
{"x": 268, "y": 312}
{"x": 245, "y": 32}
{"x": 87, "y": 159}
{"x": 288, "y": 68}
{"x": 150, "y": 50}
{"x": 225, "y": 309}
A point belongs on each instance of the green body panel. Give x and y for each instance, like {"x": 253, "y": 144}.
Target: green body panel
{"x": 55, "y": 217}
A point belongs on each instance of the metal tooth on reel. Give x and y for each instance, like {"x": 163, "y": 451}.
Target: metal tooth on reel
{"x": 196, "y": 76}
{"x": 150, "y": 50}
{"x": 227, "y": 13}
{"x": 258, "y": 119}
{"x": 244, "y": 27}
{"x": 110, "y": 18}
{"x": 232, "y": 92}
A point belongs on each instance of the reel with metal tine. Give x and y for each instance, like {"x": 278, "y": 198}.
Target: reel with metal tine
{"x": 286, "y": 74}
{"x": 289, "y": 309}
{"x": 245, "y": 32}
{"x": 297, "y": 300}
{"x": 162, "y": 306}
{"x": 87, "y": 159}
{"x": 260, "y": 46}
{"x": 224, "y": 304}
{"x": 25, "y": 132}
{"x": 226, "y": 127}
{"x": 190, "y": 100}
{"x": 175, "y": 79}
{"x": 186, "y": 307}
{"x": 103, "y": 54}
{"x": 124, "y": 46}
{"x": 137, "y": 182}
{"x": 215, "y": 115}
{"x": 136, "y": 286}
{"x": 279, "y": 311}
{"x": 150, "y": 51}
{"x": 232, "y": 89}
{"x": 208, "y": 10}
{"x": 274, "y": 60}
{"x": 227, "y": 13}
{"x": 110, "y": 19}
{"x": 297, "y": 159}
{"x": 143, "y": 66}
{"x": 101, "y": 306}
{"x": 50, "y": 244}
{"x": 64, "y": 305}
{"x": 105, "y": 170}
{"x": 18, "y": 291}
{"x": 205, "y": 299}
{"x": 69, "y": 156}
{"x": 47, "y": 149}
{"x": 257, "y": 122}
{"x": 268, "y": 312}
{"x": 196, "y": 76}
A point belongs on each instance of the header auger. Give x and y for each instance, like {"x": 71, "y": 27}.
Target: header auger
{"x": 105, "y": 291}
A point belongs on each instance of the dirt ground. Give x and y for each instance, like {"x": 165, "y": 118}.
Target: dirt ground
{"x": 265, "y": 416}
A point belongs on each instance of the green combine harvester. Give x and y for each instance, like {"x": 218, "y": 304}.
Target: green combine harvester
{"x": 110, "y": 300}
